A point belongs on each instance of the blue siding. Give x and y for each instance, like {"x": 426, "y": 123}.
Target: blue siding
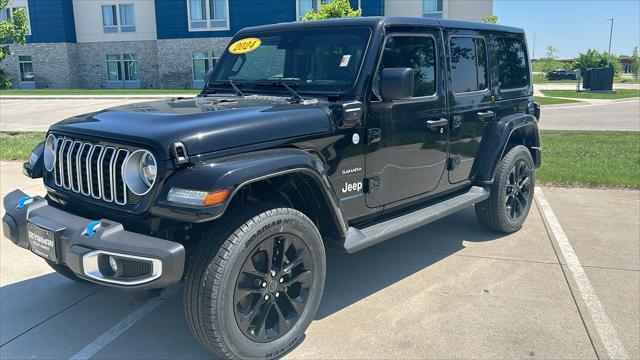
{"x": 51, "y": 21}
{"x": 372, "y": 7}
{"x": 172, "y": 19}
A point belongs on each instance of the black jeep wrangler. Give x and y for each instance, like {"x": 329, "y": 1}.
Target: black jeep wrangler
{"x": 338, "y": 133}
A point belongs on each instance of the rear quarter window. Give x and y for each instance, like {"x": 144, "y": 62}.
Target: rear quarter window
{"x": 512, "y": 63}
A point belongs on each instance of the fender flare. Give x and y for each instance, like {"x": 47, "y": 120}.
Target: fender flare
{"x": 498, "y": 136}
{"x": 237, "y": 171}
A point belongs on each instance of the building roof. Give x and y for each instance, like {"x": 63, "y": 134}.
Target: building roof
{"x": 375, "y": 21}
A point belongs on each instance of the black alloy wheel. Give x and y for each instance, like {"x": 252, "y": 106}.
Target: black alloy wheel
{"x": 255, "y": 282}
{"x": 511, "y": 194}
{"x": 272, "y": 288}
{"x": 517, "y": 190}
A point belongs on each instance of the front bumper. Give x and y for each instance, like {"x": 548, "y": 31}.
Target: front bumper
{"x": 158, "y": 262}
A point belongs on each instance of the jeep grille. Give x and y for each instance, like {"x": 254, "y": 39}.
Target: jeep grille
{"x": 91, "y": 170}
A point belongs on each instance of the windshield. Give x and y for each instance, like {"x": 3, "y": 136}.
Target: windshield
{"x": 311, "y": 60}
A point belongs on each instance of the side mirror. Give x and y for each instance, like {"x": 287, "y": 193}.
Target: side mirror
{"x": 396, "y": 83}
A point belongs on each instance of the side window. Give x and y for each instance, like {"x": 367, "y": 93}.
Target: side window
{"x": 416, "y": 52}
{"x": 468, "y": 64}
{"x": 513, "y": 71}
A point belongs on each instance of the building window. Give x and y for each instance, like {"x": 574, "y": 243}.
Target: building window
{"x": 468, "y": 64}
{"x": 208, "y": 15}
{"x": 431, "y": 8}
{"x": 127, "y": 18}
{"x": 202, "y": 62}
{"x": 7, "y": 14}
{"x": 130, "y": 67}
{"x": 109, "y": 19}
{"x": 123, "y": 71}
{"x": 26, "y": 68}
{"x": 114, "y": 72}
{"x": 118, "y": 18}
{"x": 304, "y": 6}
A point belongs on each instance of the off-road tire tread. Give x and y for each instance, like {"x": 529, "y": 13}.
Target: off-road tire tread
{"x": 208, "y": 263}
{"x": 489, "y": 212}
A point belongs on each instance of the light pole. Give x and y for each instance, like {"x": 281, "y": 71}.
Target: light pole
{"x": 610, "y": 34}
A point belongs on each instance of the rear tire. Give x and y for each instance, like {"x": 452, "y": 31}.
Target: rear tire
{"x": 239, "y": 300}
{"x": 66, "y": 272}
{"x": 507, "y": 207}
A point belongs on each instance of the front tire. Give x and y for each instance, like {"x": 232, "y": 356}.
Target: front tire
{"x": 255, "y": 284}
{"x": 507, "y": 207}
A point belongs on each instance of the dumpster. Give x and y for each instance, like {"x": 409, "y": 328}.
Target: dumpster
{"x": 598, "y": 79}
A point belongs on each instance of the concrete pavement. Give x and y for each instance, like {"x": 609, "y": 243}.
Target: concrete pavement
{"x": 447, "y": 290}
{"x": 623, "y": 115}
{"x": 38, "y": 115}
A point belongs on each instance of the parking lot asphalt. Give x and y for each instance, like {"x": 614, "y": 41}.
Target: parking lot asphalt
{"x": 448, "y": 290}
{"x": 39, "y": 114}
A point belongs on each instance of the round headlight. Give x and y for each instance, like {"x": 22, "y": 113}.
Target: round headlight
{"x": 49, "y": 153}
{"x": 140, "y": 171}
{"x": 148, "y": 169}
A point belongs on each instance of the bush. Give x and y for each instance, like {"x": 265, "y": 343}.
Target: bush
{"x": 335, "y": 9}
{"x": 594, "y": 59}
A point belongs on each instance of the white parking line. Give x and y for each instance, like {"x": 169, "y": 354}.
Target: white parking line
{"x": 605, "y": 329}
{"x": 103, "y": 340}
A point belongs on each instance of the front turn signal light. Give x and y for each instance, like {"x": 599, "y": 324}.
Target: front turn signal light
{"x": 197, "y": 197}
{"x": 215, "y": 197}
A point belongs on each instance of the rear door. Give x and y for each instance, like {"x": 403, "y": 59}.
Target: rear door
{"x": 471, "y": 103}
{"x": 406, "y": 155}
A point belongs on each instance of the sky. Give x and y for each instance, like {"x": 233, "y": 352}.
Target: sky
{"x": 573, "y": 26}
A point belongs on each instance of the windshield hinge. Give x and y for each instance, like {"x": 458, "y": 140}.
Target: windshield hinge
{"x": 179, "y": 153}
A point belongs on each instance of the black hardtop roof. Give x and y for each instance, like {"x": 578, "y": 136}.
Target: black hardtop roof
{"x": 374, "y": 21}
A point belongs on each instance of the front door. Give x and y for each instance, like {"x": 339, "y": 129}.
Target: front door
{"x": 407, "y": 139}
{"x": 470, "y": 99}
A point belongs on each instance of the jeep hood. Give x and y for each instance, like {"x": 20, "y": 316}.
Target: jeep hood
{"x": 203, "y": 124}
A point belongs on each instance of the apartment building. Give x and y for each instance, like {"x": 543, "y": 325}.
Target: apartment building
{"x": 163, "y": 43}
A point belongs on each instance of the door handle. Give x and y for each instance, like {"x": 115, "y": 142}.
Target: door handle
{"x": 432, "y": 124}
{"x": 486, "y": 115}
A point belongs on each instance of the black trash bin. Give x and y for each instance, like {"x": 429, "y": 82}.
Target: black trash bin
{"x": 598, "y": 79}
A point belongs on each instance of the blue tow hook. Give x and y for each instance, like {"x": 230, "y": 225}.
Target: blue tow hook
{"x": 22, "y": 202}
{"x": 91, "y": 228}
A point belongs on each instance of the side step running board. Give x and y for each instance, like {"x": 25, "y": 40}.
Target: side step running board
{"x": 358, "y": 239}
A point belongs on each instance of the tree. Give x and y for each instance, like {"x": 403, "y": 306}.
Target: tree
{"x": 334, "y": 9}
{"x": 593, "y": 58}
{"x": 550, "y": 60}
{"x": 490, "y": 19}
{"x": 551, "y": 52}
{"x": 13, "y": 30}
{"x": 635, "y": 63}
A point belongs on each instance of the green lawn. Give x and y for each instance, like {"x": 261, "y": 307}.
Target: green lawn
{"x": 543, "y": 100}
{"x": 590, "y": 158}
{"x": 622, "y": 94}
{"x": 99, "y": 92}
{"x": 18, "y": 145}
{"x": 570, "y": 158}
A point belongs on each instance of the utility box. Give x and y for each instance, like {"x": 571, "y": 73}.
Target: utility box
{"x": 598, "y": 79}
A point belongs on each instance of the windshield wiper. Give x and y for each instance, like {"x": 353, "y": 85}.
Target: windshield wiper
{"x": 295, "y": 97}
{"x": 232, "y": 84}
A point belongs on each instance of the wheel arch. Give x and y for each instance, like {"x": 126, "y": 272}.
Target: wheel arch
{"x": 515, "y": 129}
{"x": 289, "y": 177}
